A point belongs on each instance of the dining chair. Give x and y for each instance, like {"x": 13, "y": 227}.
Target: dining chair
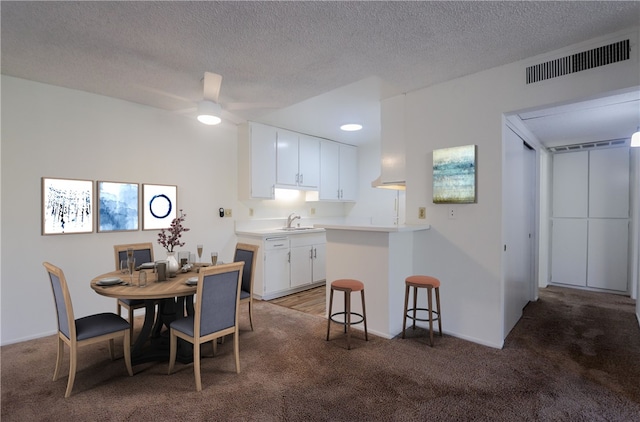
{"x": 216, "y": 315}
{"x": 248, "y": 254}
{"x": 142, "y": 252}
{"x": 83, "y": 331}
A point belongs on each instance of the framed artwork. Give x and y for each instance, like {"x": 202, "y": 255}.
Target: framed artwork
{"x": 454, "y": 175}
{"x": 67, "y": 206}
{"x": 118, "y": 206}
{"x": 159, "y": 206}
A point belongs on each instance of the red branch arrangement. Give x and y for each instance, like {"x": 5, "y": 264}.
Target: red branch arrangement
{"x": 169, "y": 238}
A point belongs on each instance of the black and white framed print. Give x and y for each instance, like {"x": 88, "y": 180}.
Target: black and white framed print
{"x": 118, "y": 205}
{"x": 159, "y": 206}
{"x": 67, "y": 206}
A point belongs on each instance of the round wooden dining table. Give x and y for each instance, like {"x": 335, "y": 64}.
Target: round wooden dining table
{"x": 174, "y": 299}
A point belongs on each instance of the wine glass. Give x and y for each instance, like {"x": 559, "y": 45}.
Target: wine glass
{"x": 131, "y": 265}
{"x": 200, "y": 253}
{"x": 214, "y": 258}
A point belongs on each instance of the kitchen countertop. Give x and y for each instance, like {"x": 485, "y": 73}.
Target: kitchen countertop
{"x": 370, "y": 228}
{"x": 278, "y": 231}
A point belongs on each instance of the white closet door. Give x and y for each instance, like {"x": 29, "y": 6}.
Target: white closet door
{"x": 608, "y": 242}
{"x": 609, "y": 183}
{"x": 570, "y": 184}
{"x": 569, "y": 251}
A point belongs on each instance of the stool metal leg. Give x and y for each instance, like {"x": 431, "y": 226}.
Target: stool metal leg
{"x": 364, "y": 314}
{"x": 329, "y": 316}
{"x": 415, "y": 305}
{"x": 346, "y": 308}
{"x": 437, "y": 289}
{"x": 347, "y": 327}
{"x": 430, "y": 300}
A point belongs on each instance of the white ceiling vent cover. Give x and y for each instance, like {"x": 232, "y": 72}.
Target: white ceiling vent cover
{"x": 596, "y": 57}
{"x": 590, "y": 145}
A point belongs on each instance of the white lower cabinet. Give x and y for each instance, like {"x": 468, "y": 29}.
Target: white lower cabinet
{"x": 307, "y": 259}
{"x": 287, "y": 263}
{"x": 276, "y": 265}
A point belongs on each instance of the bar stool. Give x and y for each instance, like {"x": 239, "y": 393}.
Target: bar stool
{"x": 430, "y": 283}
{"x": 347, "y": 286}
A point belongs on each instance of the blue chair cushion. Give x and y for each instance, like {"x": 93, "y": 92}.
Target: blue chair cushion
{"x": 244, "y": 294}
{"x": 184, "y": 325}
{"x": 99, "y": 324}
{"x": 132, "y": 302}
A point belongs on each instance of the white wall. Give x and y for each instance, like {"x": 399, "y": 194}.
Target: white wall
{"x": 466, "y": 253}
{"x": 56, "y": 132}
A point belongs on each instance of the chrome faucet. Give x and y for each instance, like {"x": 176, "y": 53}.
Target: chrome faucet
{"x": 291, "y": 218}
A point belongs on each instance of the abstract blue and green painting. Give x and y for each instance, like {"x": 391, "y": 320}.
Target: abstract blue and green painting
{"x": 454, "y": 175}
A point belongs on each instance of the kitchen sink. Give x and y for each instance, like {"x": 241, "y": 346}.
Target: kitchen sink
{"x": 295, "y": 229}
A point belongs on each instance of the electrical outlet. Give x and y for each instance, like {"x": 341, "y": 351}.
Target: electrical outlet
{"x": 250, "y": 212}
{"x": 312, "y": 211}
{"x": 227, "y": 212}
{"x": 422, "y": 213}
{"x": 451, "y": 213}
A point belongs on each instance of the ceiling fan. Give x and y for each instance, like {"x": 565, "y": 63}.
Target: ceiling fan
{"x": 209, "y": 110}
{"x": 210, "y": 104}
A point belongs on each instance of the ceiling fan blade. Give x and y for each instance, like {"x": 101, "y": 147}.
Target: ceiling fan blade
{"x": 251, "y": 106}
{"x": 212, "y": 82}
{"x": 165, "y": 93}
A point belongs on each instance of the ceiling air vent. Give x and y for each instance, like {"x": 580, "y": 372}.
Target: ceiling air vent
{"x": 596, "y": 57}
{"x": 600, "y": 144}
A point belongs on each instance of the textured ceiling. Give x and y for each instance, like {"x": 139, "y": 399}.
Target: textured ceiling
{"x": 277, "y": 58}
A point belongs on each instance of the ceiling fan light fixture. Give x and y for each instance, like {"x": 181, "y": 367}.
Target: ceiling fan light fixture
{"x": 635, "y": 138}
{"x": 351, "y": 127}
{"x": 209, "y": 112}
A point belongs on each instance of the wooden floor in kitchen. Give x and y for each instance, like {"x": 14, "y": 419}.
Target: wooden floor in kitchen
{"x": 312, "y": 301}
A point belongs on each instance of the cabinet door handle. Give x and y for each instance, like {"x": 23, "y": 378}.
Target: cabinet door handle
{"x": 289, "y": 257}
{"x": 311, "y": 253}
{"x": 301, "y": 178}
{"x": 315, "y": 253}
{"x": 297, "y": 177}
{"x": 338, "y": 193}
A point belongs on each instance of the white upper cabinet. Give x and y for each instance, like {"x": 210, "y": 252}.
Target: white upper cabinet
{"x": 269, "y": 157}
{"x": 338, "y": 171}
{"x": 309, "y": 162}
{"x": 298, "y": 160}
{"x": 348, "y": 172}
{"x": 287, "y": 158}
{"x": 257, "y": 174}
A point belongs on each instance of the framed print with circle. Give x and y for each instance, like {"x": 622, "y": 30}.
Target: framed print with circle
{"x": 159, "y": 206}
{"x": 67, "y": 206}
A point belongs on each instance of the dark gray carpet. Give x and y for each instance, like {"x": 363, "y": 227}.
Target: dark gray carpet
{"x": 574, "y": 356}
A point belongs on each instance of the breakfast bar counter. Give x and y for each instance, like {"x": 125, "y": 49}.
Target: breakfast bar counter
{"x": 379, "y": 256}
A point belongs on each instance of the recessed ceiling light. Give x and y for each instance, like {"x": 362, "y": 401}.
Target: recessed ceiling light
{"x": 351, "y": 127}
